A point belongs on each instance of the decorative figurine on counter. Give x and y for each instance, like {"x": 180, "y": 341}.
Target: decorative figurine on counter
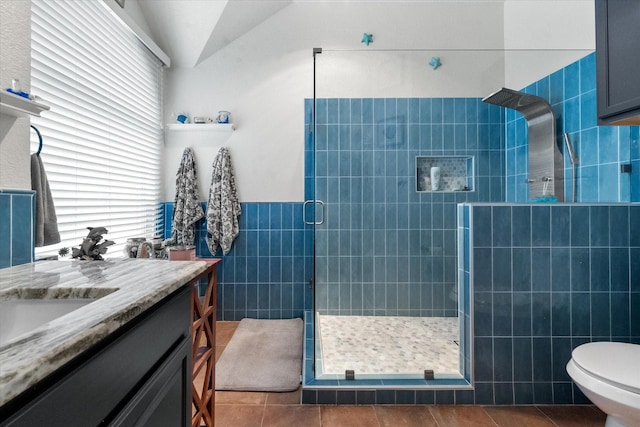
{"x": 91, "y": 249}
{"x": 63, "y": 252}
{"x": 182, "y": 118}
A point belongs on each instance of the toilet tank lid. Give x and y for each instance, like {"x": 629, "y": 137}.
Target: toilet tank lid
{"x": 614, "y": 362}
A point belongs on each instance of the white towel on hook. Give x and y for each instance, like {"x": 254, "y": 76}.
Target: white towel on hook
{"x": 187, "y": 209}
{"x": 223, "y": 208}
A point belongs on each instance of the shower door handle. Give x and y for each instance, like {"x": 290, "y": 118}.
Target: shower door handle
{"x": 313, "y": 202}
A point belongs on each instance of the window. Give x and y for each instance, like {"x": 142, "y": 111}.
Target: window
{"x": 102, "y": 138}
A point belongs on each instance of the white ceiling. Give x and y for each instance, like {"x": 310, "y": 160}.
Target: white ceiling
{"x": 190, "y": 31}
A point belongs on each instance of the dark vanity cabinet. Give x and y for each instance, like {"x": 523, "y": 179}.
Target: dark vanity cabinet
{"x": 618, "y": 61}
{"x": 138, "y": 376}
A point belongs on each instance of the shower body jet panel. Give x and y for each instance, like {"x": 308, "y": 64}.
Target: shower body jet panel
{"x": 546, "y": 167}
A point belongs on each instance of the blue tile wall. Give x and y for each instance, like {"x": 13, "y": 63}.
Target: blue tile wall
{"x": 17, "y": 211}
{"x": 573, "y": 279}
{"x": 386, "y": 248}
{"x": 571, "y": 91}
{"x": 267, "y": 271}
{"x": 562, "y": 292}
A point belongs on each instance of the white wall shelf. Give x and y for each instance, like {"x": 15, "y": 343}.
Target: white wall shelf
{"x": 194, "y": 127}
{"x": 18, "y": 106}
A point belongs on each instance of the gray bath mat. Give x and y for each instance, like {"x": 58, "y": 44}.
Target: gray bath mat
{"x": 262, "y": 355}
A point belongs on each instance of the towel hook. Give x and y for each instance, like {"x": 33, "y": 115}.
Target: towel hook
{"x": 39, "y": 139}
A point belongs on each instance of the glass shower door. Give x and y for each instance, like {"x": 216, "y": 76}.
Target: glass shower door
{"x": 385, "y": 265}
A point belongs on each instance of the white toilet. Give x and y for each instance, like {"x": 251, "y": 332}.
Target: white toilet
{"x": 608, "y": 373}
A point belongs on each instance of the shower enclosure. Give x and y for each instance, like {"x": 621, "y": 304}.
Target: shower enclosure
{"x": 387, "y": 303}
{"x": 394, "y": 143}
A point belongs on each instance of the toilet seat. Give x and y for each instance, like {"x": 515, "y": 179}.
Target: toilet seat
{"x": 611, "y": 362}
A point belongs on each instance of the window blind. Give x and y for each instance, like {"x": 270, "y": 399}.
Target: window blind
{"x": 102, "y": 138}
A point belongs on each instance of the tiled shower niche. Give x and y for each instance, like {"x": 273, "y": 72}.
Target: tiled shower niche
{"x": 456, "y": 173}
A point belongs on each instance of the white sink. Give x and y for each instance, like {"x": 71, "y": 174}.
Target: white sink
{"x": 20, "y": 315}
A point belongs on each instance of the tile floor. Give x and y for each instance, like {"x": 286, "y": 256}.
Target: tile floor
{"x": 240, "y": 409}
{"x": 372, "y": 345}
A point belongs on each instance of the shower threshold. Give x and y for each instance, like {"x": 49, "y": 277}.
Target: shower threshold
{"x": 379, "y": 347}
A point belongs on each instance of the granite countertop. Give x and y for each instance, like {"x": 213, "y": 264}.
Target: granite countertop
{"x": 124, "y": 288}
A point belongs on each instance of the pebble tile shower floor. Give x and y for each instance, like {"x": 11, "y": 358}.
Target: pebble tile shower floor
{"x": 374, "y": 345}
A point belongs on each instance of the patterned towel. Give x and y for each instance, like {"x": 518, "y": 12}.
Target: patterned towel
{"x": 187, "y": 209}
{"x": 223, "y": 208}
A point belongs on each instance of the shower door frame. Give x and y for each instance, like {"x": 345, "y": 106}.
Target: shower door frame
{"x": 315, "y": 205}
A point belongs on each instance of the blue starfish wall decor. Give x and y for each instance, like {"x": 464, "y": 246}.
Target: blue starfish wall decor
{"x": 435, "y": 62}
{"x": 367, "y": 38}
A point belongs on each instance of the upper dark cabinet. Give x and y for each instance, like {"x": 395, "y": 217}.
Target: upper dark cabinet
{"x": 618, "y": 61}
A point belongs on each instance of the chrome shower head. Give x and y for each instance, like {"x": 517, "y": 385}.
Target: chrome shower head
{"x": 529, "y": 105}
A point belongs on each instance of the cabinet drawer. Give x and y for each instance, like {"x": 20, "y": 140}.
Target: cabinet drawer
{"x": 161, "y": 402}
{"x": 97, "y": 385}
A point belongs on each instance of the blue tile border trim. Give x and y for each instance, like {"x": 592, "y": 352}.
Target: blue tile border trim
{"x": 17, "y": 191}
